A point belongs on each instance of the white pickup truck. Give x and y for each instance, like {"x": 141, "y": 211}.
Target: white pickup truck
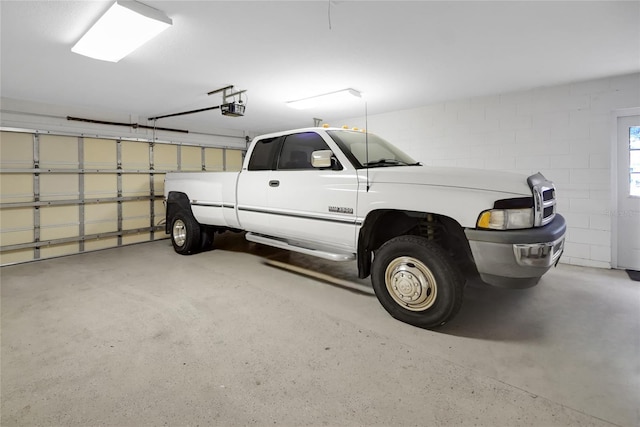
{"x": 344, "y": 195}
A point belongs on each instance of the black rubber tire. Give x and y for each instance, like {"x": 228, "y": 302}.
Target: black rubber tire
{"x": 185, "y": 234}
{"x": 438, "y": 303}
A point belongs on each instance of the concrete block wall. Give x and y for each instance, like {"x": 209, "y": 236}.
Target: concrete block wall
{"x": 563, "y": 131}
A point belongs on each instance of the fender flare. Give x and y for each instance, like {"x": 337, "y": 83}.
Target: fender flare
{"x": 176, "y": 202}
{"x": 378, "y": 227}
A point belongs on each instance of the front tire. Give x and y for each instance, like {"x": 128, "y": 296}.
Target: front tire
{"x": 416, "y": 282}
{"x": 185, "y": 234}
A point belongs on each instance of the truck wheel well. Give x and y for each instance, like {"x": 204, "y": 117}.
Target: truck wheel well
{"x": 383, "y": 225}
{"x": 176, "y": 201}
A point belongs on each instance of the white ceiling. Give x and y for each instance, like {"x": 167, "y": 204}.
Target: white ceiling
{"x": 400, "y": 54}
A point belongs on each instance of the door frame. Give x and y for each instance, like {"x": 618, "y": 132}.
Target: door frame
{"x": 615, "y": 115}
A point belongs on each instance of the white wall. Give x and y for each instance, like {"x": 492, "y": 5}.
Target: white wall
{"x": 565, "y": 132}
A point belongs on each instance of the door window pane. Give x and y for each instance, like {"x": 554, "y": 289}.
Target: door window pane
{"x": 297, "y": 149}
{"x": 263, "y": 155}
{"x": 634, "y": 161}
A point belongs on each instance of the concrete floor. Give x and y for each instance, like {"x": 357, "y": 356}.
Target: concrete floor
{"x": 140, "y": 336}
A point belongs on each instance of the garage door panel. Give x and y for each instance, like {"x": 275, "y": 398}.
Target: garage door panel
{"x": 104, "y": 243}
{"x": 97, "y": 186}
{"x": 16, "y": 236}
{"x": 58, "y": 152}
{"x": 136, "y": 238}
{"x": 135, "y": 214}
{"x": 58, "y": 222}
{"x": 101, "y": 218}
{"x": 16, "y": 149}
{"x": 214, "y": 159}
{"x": 59, "y": 232}
{"x": 135, "y": 185}
{"x": 100, "y": 153}
{"x": 16, "y": 226}
{"x": 158, "y": 212}
{"x": 135, "y": 209}
{"x": 12, "y": 257}
{"x": 18, "y": 217}
{"x": 233, "y": 160}
{"x": 58, "y": 215}
{"x": 59, "y": 187}
{"x": 59, "y": 250}
{"x": 158, "y": 183}
{"x": 16, "y": 152}
{"x": 16, "y": 187}
{"x": 135, "y": 155}
{"x": 191, "y": 158}
{"x": 165, "y": 157}
{"x": 135, "y": 223}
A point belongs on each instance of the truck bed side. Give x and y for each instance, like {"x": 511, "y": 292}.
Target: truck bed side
{"x": 212, "y": 195}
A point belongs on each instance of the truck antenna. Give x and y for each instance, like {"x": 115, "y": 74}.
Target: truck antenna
{"x": 366, "y": 140}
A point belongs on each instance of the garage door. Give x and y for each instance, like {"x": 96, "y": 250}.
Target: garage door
{"x": 63, "y": 194}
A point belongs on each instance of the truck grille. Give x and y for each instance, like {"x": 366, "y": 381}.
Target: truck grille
{"x": 544, "y": 199}
{"x": 544, "y": 196}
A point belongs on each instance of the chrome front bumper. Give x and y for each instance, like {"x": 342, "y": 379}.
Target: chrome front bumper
{"x": 539, "y": 254}
{"x": 517, "y": 258}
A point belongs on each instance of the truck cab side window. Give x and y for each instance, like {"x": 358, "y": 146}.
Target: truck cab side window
{"x": 263, "y": 155}
{"x": 297, "y": 148}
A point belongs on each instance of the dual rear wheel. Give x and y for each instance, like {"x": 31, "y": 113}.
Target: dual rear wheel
{"x": 188, "y": 236}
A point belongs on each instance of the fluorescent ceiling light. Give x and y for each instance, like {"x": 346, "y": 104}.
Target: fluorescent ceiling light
{"x": 123, "y": 28}
{"x": 326, "y": 99}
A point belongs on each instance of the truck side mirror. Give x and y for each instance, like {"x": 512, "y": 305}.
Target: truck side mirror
{"x": 321, "y": 158}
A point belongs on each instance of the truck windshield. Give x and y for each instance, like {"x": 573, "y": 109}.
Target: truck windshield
{"x": 379, "y": 152}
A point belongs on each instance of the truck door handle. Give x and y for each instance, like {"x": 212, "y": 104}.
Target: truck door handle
{"x": 274, "y": 183}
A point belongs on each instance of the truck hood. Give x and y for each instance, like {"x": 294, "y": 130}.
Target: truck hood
{"x": 477, "y": 179}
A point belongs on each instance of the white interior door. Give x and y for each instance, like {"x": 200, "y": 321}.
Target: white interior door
{"x": 628, "y": 192}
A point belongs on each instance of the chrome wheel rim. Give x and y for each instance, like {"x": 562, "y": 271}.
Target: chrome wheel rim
{"x": 179, "y": 232}
{"x": 411, "y": 284}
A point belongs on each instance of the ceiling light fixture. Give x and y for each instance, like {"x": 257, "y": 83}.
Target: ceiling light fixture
{"x": 123, "y": 28}
{"x": 326, "y": 99}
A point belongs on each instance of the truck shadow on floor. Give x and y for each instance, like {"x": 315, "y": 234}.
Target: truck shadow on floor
{"x": 497, "y": 314}
{"x": 487, "y": 312}
{"x": 340, "y": 274}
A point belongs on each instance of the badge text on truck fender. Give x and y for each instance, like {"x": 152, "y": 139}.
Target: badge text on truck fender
{"x": 338, "y": 209}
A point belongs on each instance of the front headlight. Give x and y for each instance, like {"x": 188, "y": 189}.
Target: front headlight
{"x": 506, "y": 219}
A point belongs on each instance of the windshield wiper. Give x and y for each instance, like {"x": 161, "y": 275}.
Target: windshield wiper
{"x": 389, "y": 162}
